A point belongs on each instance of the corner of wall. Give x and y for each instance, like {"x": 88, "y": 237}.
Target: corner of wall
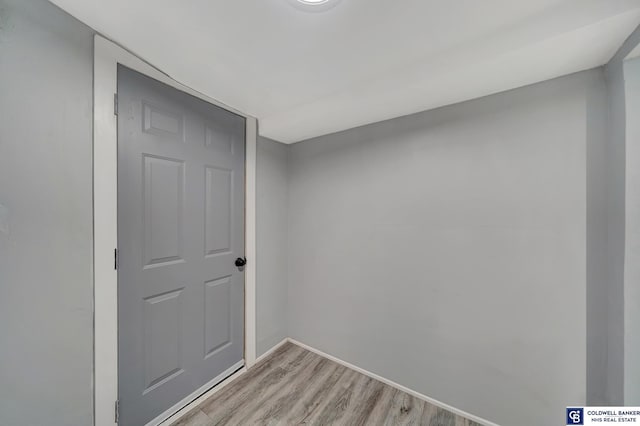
{"x": 272, "y": 244}
{"x": 596, "y": 232}
{"x": 615, "y": 206}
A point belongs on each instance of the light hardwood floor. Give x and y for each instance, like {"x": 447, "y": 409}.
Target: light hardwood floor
{"x": 296, "y": 387}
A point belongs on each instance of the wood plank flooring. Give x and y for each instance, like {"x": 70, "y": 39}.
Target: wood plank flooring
{"x": 296, "y": 387}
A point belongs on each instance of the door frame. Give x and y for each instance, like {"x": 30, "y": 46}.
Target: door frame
{"x": 107, "y": 56}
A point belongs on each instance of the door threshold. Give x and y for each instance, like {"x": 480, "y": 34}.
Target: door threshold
{"x": 187, "y": 404}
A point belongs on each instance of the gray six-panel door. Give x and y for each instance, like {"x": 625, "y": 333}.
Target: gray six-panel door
{"x": 180, "y": 229}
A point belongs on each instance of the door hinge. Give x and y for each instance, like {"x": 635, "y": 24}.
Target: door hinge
{"x": 115, "y": 104}
{"x": 115, "y": 259}
{"x": 117, "y": 411}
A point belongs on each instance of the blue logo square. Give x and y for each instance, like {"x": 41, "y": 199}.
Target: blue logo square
{"x": 575, "y": 416}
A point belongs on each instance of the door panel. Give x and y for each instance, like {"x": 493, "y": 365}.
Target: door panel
{"x": 217, "y": 328}
{"x": 218, "y": 210}
{"x": 162, "y": 338}
{"x": 180, "y": 228}
{"x": 163, "y": 197}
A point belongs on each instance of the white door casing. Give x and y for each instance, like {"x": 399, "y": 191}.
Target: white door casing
{"x": 107, "y": 56}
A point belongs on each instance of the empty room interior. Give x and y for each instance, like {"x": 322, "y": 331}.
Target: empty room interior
{"x": 319, "y": 212}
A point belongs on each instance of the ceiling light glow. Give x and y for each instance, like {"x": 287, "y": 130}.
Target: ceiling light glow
{"x": 313, "y": 5}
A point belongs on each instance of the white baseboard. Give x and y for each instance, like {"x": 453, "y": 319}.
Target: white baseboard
{"x": 240, "y": 372}
{"x": 272, "y": 350}
{"x": 396, "y": 385}
{"x": 177, "y": 415}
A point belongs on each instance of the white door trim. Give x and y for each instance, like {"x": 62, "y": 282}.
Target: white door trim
{"x": 107, "y": 56}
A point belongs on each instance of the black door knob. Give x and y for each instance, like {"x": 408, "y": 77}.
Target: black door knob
{"x": 241, "y": 261}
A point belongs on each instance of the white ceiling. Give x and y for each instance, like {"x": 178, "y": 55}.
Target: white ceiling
{"x": 308, "y": 74}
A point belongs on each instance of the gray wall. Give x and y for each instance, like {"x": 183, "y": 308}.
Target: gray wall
{"x": 447, "y": 250}
{"x": 444, "y": 250}
{"x": 615, "y": 178}
{"x": 632, "y": 251}
{"x": 272, "y": 243}
{"x": 45, "y": 222}
{"x": 597, "y": 284}
{"x": 614, "y": 184}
